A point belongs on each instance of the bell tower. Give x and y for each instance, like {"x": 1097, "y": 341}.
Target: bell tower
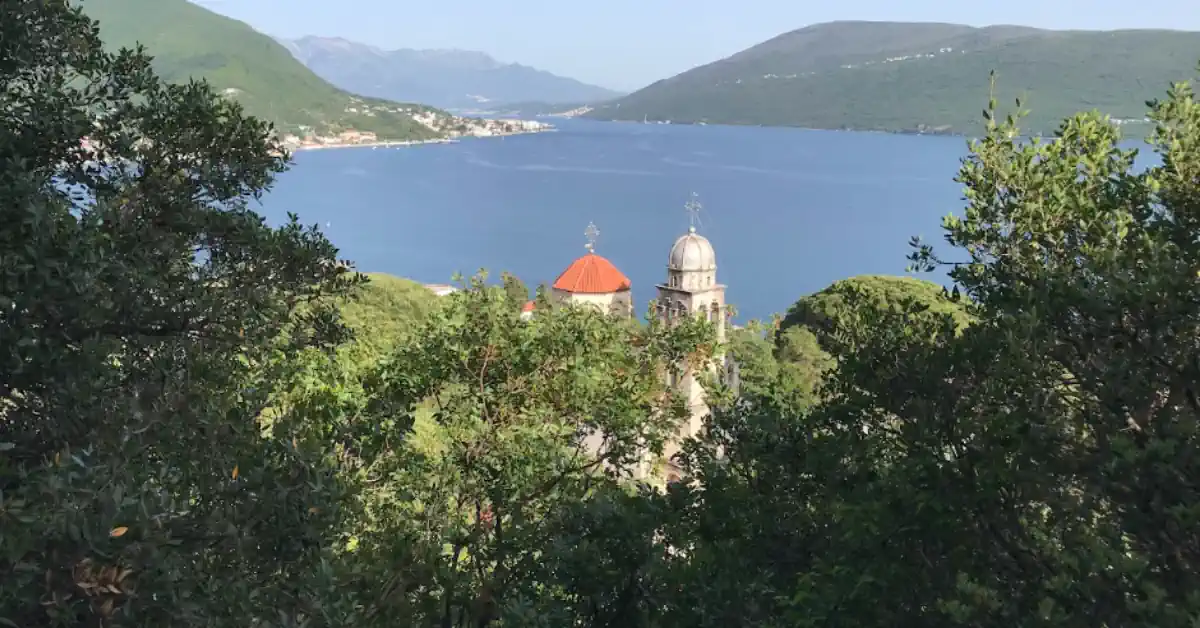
{"x": 691, "y": 289}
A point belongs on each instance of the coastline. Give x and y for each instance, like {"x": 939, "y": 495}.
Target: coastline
{"x": 1129, "y": 131}
{"x": 384, "y": 144}
{"x": 936, "y": 132}
{"x": 400, "y": 143}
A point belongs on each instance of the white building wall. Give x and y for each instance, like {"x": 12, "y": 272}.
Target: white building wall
{"x": 613, "y": 302}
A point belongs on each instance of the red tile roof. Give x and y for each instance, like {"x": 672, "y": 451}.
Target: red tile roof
{"x": 528, "y": 307}
{"x": 592, "y": 274}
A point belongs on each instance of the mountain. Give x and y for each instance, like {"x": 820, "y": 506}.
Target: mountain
{"x": 189, "y": 41}
{"x": 541, "y": 109}
{"x": 920, "y": 77}
{"x": 453, "y": 79}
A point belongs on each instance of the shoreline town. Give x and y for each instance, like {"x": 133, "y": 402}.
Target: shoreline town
{"x": 451, "y": 129}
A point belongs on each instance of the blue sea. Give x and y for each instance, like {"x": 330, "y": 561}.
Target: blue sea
{"x": 788, "y": 210}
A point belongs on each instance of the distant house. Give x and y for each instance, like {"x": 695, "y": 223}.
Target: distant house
{"x": 356, "y": 137}
{"x": 441, "y": 289}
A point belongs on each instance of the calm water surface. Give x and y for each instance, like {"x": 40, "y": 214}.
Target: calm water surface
{"x": 788, "y": 210}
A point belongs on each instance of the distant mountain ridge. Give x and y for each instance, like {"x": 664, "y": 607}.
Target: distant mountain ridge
{"x": 451, "y": 79}
{"x": 919, "y": 77}
{"x": 190, "y": 41}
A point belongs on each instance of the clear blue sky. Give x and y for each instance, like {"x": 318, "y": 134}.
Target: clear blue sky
{"x": 626, "y": 44}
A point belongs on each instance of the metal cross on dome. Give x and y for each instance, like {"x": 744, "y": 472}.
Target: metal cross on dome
{"x": 693, "y": 207}
{"x": 591, "y": 233}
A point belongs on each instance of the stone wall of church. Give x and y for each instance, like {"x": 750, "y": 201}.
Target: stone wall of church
{"x": 694, "y": 281}
{"x": 615, "y": 302}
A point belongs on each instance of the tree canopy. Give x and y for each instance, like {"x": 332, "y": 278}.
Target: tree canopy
{"x": 207, "y": 421}
{"x": 1029, "y": 469}
{"x": 146, "y": 317}
{"x": 827, "y": 312}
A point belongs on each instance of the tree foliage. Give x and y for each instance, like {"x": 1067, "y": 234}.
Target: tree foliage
{"x": 787, "y": 364}
{"x": 189, "y": 434}
{"x": 829, "y": 312}
{"x": 790, "y": 357}
{"x": 533, "y": 417}
{"x": 145, "y": 317}
{"x": 1029, "y": 469}
{"x": 517, "y": 291}
{"x": 385, "y": 310}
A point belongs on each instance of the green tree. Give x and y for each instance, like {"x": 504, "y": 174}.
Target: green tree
{"x": 789, "y": 365}
{"x": 790, "y": 357}
{"x": 1033, "y": 468}
{"x": 1086, "y": 272}
{"x": 517, "y": 291}
{"x": 532, "y": 417}
{"x": 383, "y": 311}
{"x": 145, "y": 316}
{"x": 826, "y": 312}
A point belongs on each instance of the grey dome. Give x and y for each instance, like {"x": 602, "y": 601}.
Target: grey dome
{"x": 692, "y": 252}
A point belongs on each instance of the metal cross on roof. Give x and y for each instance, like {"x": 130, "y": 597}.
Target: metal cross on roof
{"x": 693, "y": 207}
{"x": 591, "y": 233}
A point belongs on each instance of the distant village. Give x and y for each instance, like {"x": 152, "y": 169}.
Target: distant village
{"x": 449, "y": 127}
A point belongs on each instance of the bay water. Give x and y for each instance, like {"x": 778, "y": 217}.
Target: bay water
{"x": 788, "y": 211}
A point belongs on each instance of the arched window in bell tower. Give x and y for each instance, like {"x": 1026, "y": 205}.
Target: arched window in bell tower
{"x": 715, "y": 313}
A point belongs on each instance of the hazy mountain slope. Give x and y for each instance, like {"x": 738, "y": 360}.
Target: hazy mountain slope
{"x": 902, "y": 77}
{"x": 526, "y": 109}
{"x": 187, "y": 40}
{"x": 453, "y": 79}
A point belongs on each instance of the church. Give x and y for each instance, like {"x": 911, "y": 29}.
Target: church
{"x": 690, "y": 288}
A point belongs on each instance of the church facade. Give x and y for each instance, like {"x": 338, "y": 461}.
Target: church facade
{"x": 690, "y": 288}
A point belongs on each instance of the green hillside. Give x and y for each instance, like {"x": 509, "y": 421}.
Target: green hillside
{"x": 927, "y": 77}
{"x": 385, "y": 309}
{"x": 188, "y": 41}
